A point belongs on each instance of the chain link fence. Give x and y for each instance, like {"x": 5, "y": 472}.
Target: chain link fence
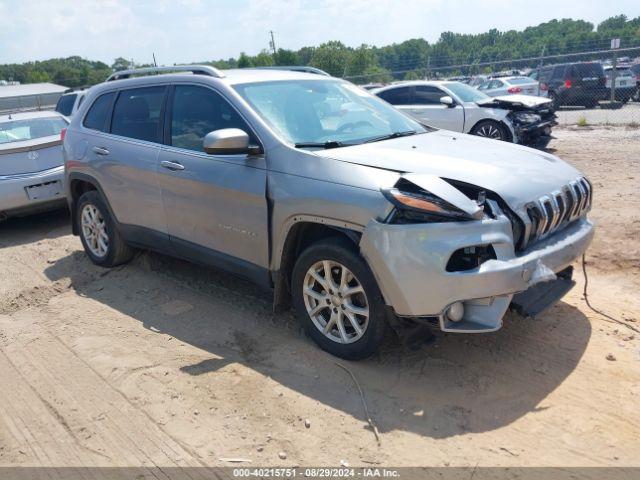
{"x": 595, "y": 86}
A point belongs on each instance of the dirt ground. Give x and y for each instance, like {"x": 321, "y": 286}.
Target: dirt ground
{"x": 162, "y": 363}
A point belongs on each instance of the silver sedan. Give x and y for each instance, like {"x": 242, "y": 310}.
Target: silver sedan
{"x": 496, "y": 87}
{"x": 31, "y": 164}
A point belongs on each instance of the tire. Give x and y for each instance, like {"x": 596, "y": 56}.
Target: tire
{"x": 491, "y": 129}
{"x": 555, "y": 101}
{"x": 109, "y": 252}
{"x": 345, "y": 342}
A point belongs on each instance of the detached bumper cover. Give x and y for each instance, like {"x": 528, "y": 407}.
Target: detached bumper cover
{"x": 409, "y": 262}
{"x": 17, "y": 191}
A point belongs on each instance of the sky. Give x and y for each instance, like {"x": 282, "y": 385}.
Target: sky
{"x": 182, "y": 31}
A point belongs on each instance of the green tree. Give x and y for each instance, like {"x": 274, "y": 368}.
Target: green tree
{"x": 121, "y": 63}
{"x": 360, "y": 60}
{"x": 332, "y": 57}
{"x": 244, "y": 61}
{"x": 412, "y": 75}
{"x": 263, "y": 59}
{"x": 286, "y": 57}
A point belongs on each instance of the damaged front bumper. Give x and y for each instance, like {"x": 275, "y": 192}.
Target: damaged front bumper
{"x": 410, "y": 265}
{"x": 537, "y": 135}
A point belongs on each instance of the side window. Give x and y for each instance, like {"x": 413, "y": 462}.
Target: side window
{"x": 495, "y": 84}
{"x": 197, "y": 111}
{"x": 96, "y": 118}
{"x": 397, "y": 96}
{"x": 545, "y": 74}
{"x": 136, "y": 113}
{"x": 427, "y": 95}
{"x": 558, "y": 72}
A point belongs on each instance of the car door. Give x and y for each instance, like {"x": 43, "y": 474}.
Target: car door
{"x": 427, "y": 108}
{"x": 215, "y": 205}
{"x": 123, "y": 148}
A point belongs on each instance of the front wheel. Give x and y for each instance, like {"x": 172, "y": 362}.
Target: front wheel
{"x": 337, "y": 299}
{"x": 491, "y": 129}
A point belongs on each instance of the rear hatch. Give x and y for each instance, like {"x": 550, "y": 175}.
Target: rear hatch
{"x": 589, "y": 76}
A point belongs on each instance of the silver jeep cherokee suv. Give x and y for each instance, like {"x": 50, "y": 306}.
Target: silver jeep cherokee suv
{"x": 312, "y": 186}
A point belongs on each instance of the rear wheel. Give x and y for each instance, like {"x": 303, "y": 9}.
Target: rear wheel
{"x": 101, "y": 240}
{"x": 555, "y": 101}
{"x": 337, "y": 299}
{"x": 490, "y": 129}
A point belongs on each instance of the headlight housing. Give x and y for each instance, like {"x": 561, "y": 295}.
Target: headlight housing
{"x": 421, "y": 207}
{"x": 527, "y": 117}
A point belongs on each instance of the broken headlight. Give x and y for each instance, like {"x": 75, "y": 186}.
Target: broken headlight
{"x": 526, "y": 117}
{"x": 420, "y": 206}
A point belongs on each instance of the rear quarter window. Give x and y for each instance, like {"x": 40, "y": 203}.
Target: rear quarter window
{"x": 586, "y": 70}
{"x": 98, "y": 114}
{"x": 65, "y": 104}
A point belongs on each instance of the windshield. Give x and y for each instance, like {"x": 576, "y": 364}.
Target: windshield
{"x": 29, "y": 129}
{"x": 322, "y": 111}
{"x": 466, "y": 93}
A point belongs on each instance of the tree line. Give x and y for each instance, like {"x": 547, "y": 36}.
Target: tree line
{"x": 453, "y": 53}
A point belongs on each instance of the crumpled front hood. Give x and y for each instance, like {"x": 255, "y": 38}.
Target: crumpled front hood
{"x": 518, "y": 174}
{"x": 515, "y": 102}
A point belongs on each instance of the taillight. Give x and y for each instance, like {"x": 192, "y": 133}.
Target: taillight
{"x": 514, "y": 90}
{"x": 567, "y": 83}
{"x": 63, "y": 132}
{"x": 544, "y": 87}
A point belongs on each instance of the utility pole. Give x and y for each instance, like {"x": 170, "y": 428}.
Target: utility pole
{"x": 155, "y": 64}
{"x": 615, "y": 45}
{"x": 540, "y": 66}
{"x": 272, "y": 43}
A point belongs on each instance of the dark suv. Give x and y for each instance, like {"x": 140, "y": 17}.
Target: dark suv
{"x": 574, "y": 83}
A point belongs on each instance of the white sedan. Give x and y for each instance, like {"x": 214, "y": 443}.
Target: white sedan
{"x": 31, "y": 166}
{"x": 458, "y": 107}
{"x": 495, "y": 87}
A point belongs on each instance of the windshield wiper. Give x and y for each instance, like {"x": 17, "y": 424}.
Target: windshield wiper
{"x": 391, "y": 135}
{"x": 325, "y": 145}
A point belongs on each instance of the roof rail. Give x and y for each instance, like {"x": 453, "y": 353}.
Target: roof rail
{"x": 294, "y": 68}
{"x": 195, "y": 69}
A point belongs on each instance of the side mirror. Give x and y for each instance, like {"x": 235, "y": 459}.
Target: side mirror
{"x": 227, "y": 141}
{"x": 448, "y": 101}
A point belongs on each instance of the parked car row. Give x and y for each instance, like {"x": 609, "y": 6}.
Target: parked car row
{"x": 568, "y": 84}
{"x": 360, "y": 216}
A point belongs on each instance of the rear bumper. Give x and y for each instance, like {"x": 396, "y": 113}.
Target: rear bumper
{"x": 13, "y": 191}
{"x": 409, "y": 262}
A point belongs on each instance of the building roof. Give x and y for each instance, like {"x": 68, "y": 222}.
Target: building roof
{"x": 28, "y": 89}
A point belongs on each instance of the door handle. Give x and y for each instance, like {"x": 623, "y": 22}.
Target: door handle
{"x": 100, "y": 151}
{"x": 172, "y": 165}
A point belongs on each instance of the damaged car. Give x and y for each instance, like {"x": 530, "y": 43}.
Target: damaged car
{"x": 454, "y": 106}
{"x": 362, "y": 220}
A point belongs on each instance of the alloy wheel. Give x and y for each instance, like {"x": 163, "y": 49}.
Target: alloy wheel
{"x": 94, "y": 230}
{"x": 336, "y": 301}
{"x": 489, "y": 131}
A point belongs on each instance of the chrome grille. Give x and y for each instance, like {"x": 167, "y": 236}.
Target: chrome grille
{"x": 554, "y": 211}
